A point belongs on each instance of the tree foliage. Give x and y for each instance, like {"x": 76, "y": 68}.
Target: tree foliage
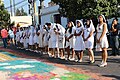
{"x": 4, "y": 16}
{"x": 20, "y": 12}
{"x": 77, "y": 9}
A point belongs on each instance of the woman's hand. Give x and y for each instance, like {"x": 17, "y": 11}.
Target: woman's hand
{"x": 99, "y": 40}
{"x": 86, "y": 39}
{"x": 67, "y": 39}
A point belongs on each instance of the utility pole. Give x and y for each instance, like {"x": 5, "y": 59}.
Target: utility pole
{"x": 11, "y": 7}
{"x": 14, "y": 7}
{"x": 39, "y": 10}
{"x": 34, "y": 10}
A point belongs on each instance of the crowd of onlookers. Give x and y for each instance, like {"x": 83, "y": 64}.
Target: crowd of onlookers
{"x": 52, "y": 38}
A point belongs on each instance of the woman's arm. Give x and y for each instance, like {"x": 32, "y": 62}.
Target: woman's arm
{"x": 113, "y": 29}
{"x": 91, "y": 33}
{"x": 78, "y": 34}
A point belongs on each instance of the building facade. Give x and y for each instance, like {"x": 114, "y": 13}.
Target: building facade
{"x": 51, "y": 14}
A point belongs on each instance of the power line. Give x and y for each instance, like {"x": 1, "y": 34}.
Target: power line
{"x": 16, "y": 4}
{"x": 23, "y": 5}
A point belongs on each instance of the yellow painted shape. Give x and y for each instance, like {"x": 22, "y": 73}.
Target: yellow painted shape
{"x": 4, "y": 57}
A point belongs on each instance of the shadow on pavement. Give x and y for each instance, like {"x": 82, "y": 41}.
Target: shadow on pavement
{"x": 113, "y": 76}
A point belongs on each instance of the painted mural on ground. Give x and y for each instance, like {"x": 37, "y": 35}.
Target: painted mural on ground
{"x": 29, "y": 69}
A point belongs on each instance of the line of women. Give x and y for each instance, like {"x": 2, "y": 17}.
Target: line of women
{"x": 54, "y": 39}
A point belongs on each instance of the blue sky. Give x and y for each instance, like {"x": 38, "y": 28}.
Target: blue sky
{"x": 24, "y": 4}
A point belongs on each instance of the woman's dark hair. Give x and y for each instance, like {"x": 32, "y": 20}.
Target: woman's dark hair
{"x": 115, "y": 19}
{"x": 103, "y": 19}
{"x": 89, "y": 22}
{"x": 48, "y": 24}
{"x": 70, "y": 30}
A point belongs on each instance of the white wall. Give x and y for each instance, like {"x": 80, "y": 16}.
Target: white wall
{"x": 45, "y": 19}
{"x": 47, "y": 15}
{"x": 50, "y": 9}
{"x": 21, "y": 19}
{"x": 64, "y": 21}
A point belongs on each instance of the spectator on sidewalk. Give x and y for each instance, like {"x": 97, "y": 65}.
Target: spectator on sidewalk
{"x": 4, "y": 35}
{"x": 115, "y": 37}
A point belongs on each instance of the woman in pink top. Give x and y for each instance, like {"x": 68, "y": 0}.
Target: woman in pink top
{"x": 4, "y": 35}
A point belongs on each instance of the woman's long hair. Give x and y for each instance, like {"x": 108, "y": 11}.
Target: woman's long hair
{"x": 70, "y": 30}
{"x": 89, "y": 23}
{"x": 104, "y": 20}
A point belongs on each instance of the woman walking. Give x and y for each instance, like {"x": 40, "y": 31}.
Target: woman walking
{"x": 70, "y": 40}
{"x": 79, "y": 43}
{"x": 102, "y": 42}
{"x": 11, "y": 35}
{"x": 89, "y": 39}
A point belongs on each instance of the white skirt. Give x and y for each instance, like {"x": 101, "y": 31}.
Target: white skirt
{"x": 89, "y": 44}
{"x": 40, "y": 42}
{"x": 54, "y": 43}
{"x": 27, "y": 40}
{"x": 102, "y": 44}
{"x": 31, "y": 42}
{"x": 17, "y": 39}
{"x": 71, "y": 43}
{"x": 49, "y": 43}
{"x": 21, "y": 40}
{"x": 45, "y": 42}
{"x": 61, "y": 43}
{"x": 25, "y": 43}
{"x": 36, "y": 41}
{"x": 79, "y": 44}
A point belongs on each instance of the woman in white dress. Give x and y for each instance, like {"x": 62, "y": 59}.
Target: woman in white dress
{"x": 49, "y": 26}
{"x": 25, "y": 38}
{"x": 70, "y": 40}
{"x": 21, "y": 37}
{"x": 79, "y": 43}
{"x": 11, "y": 34}
{"x": 89, "y": 39}
{"x": 35, "y": 39}
{"x": 40, "y": 41}
{"x": 102, "y": 42}
{"x": 31, "y": 42}
{"x": 61, "y": 41}
{"x": 17, "y": 38}
{"x": 45, "y": 39}
{"x": 54, "y": 38}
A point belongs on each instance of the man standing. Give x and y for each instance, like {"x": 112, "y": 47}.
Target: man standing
{"x": 115, "y": 37}
{"x": 4, "y": 35}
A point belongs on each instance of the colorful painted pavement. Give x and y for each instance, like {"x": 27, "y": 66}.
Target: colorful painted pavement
{"x": 14, "y": 68}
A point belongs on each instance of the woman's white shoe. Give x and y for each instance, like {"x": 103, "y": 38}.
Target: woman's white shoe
{"x": 103, "y": 65}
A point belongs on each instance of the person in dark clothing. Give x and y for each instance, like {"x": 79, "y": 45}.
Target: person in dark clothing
{"x": 115, "y": 37}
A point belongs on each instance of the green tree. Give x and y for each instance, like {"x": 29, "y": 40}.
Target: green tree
{"x": 4, "y": 16}
{"x": 23, "y": 13}
{"x": 20, "y": 12}
{"x": 77, "y": 9}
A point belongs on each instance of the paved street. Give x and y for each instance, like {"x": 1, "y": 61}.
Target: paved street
{"x": 18, "y": 64}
